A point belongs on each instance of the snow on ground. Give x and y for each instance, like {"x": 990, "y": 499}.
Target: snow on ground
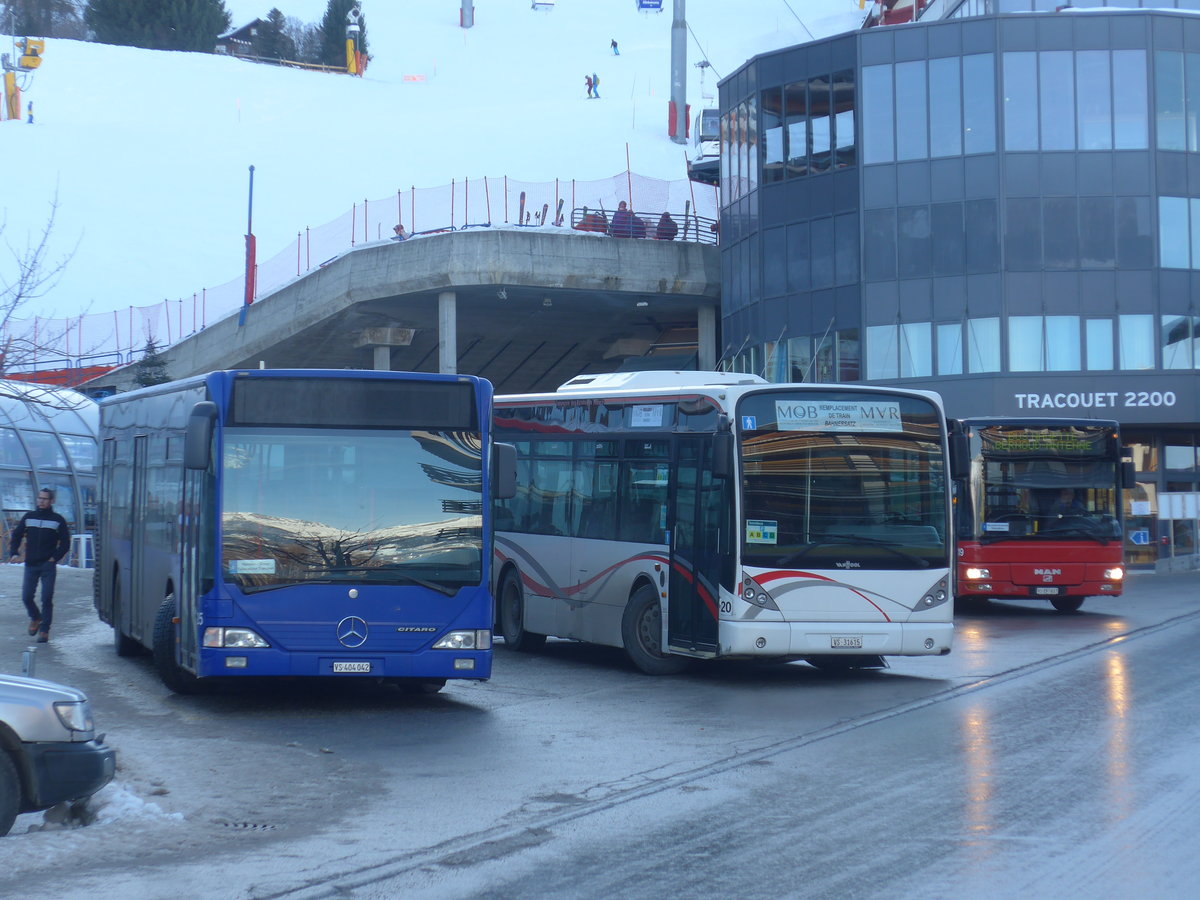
{"x": 148, "y": 152}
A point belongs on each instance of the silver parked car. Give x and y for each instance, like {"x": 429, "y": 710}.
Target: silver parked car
{"x": 49, "y": 751}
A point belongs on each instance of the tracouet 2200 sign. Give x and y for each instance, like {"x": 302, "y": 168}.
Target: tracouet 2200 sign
{"x": 1095, "y": 399}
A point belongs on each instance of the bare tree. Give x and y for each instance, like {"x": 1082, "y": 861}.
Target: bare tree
{"x": 28, "y": 272}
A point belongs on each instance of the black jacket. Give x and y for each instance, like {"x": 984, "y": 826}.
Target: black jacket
{"x": 46, "y": 536}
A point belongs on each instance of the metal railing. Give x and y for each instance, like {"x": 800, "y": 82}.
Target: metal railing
{"x": 646, "y": 225}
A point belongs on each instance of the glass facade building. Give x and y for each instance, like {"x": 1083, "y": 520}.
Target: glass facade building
{"x": 48, "y": 439}
{"x": 1002, "y": 205}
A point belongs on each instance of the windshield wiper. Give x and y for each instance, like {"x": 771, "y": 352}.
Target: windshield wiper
{"x": 853, "y": 540}
{"x": 394, "y": 572}
{"x": 1089, "y": 532}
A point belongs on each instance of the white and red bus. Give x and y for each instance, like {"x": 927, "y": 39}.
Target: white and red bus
{"x": 1040, "y": 512}
{"x": 707, "y": 514}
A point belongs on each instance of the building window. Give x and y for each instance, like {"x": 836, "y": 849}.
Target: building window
{"x": 1178, "y": 337}
{"x": 799, "y": 358}
{"x": 772, "y": 126}
{"x": 979, "y": 103}
{"x": 849, "y": 355}
{"x": 1099, "y": 345}
{"x": 1062, "y": 344}
{"x": 1026, "y": 351}
{"x": 879, "y": 115}
{"x": 1061, "y": 100}
{"x": 945, "y": 108}
{"x": 949, "y": 348}
{"x": 1020, "y": 103}
{"x": 983, "y": 345}
{"x": 882, "y": 361}
{"x": 916, "y": 350}
{"x": 1130, "y": 104}
{"x": 795, "y": 118}
{"x": 1173, "y": 241}
{"x": 1169, "y": 101}
{"x": 843, "y": 119}
{"x": 1056, "y": 96}
{"x": 912, "y": 128}
{"x": 820, "y": 130}
{"x": 1095, "y": 102}
{"x": 1136, "y": 341}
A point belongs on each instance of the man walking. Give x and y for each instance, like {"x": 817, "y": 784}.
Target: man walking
{"x": 47, "y": 540}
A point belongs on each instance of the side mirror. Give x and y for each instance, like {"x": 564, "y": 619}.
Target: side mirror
{"x": 960, "y": 451}
{"x": 504, "y": 471}
{"x": 197, "y": 441}
{"x": 1128, "y": 474}
{"x": 723, "y": 450}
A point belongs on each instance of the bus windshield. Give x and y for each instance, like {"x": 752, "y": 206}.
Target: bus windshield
{"x": 362, "y": 506}
{"x": 1041, "y": 483}
{"x": 842, "y": 481}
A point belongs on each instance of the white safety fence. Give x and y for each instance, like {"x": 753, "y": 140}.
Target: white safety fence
{"x": 114, "y": 338}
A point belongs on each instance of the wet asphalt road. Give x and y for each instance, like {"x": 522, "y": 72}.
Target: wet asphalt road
{"x": 1049, "y": 755}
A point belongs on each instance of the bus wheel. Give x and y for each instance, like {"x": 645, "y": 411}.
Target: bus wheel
{"x": 512, "y": 616}
{"x": 122, "y": 643}
{"x": 641, "y": 631}
{"x": 1067, "y": 604}
{"x": 840, "y": 663}
{"x": 168, "y": 669}
{"x": 420, "y": 686}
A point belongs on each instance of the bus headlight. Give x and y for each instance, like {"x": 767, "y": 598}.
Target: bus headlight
{"x": 974, "y": 574}
{"x": 753, "y": 592}
{"x": 1115, "y": 574}
{"x": 237, "y": 638}
{"x": 465, "y": 640}
{"x": 936, "y": 595}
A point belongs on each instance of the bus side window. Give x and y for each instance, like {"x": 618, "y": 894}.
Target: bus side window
{"x": 596, "y": 499}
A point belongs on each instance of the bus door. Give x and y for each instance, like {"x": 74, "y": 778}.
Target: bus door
{"x": 141, "y": 618}
{"x": 695, "y": 522}
{"x": 192, "y": 564}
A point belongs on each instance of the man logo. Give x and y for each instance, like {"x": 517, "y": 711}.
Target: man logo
{"x": 352, "y": 632}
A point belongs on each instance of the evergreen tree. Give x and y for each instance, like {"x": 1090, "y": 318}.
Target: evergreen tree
{"x": 272, "y": 41}
{"x": 43, "y": 18}
{"x": 158, "y": 24}
{"x": 152, "y": 367}
{"x": 333, "y": 33}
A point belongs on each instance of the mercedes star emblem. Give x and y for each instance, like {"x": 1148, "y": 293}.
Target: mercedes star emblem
{"x": 352, "y": 632}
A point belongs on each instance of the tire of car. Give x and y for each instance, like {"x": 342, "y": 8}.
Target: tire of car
{"x": 168, "y": 669}
{"x": 10, "y": 793}
{"x": 512, "y": 615}
{"x": 641, "y": 632}
{"x": 122, "y": 643}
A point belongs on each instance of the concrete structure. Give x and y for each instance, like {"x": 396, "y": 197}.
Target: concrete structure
{"x": 528, "y": 309}
{"x": 1001, "y": 208}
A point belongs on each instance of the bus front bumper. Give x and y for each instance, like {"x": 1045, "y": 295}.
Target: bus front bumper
{"x": 800, "y": 639}
{"x": 268, "y": 662}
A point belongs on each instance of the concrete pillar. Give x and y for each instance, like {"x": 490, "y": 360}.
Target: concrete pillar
{"x": 447, "y": 333}
{"x": 706, "y": 338}
{"x": 383, "y": 359}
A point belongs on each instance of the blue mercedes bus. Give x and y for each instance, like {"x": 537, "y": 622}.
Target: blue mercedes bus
{"x": 293, "y": 522}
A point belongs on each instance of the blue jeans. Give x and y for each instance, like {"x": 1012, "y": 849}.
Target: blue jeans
{"x": 45, "y": 573}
